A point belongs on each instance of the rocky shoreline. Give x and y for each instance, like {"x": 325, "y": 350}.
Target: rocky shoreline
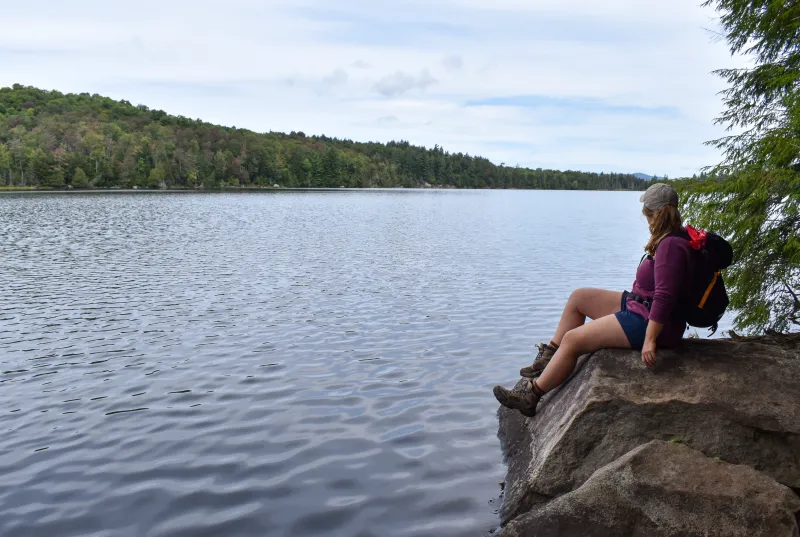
{"x": 706, "y": 444}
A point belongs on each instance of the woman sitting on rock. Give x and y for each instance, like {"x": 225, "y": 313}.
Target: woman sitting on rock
{"x": 642, "y": 320}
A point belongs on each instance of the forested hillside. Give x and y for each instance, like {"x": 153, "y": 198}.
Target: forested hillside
{"x": 52, "y": 139}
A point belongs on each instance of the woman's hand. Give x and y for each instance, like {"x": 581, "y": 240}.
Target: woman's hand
{"x": 649, "y": 347}
{"x": 649, "y": 353}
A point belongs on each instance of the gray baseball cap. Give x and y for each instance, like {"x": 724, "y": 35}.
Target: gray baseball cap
{"x": 659, "y": 195}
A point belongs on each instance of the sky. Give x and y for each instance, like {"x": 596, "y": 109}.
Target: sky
{"x": 612, "y": 85}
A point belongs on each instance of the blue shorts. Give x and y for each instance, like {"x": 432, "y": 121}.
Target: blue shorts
{"x": 633, "y": 324}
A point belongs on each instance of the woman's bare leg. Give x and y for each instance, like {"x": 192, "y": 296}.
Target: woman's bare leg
{"x": 583, "y": 303}
{"x": 603, "y": 333}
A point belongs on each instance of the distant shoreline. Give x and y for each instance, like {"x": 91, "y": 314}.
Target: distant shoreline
{"x": 40, "y": 190}
{"x": 56, "y": 140}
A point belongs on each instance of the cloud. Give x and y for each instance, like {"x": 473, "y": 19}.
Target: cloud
{"x": 399, "y": 83}
{"x": 337, "y": 78}
{"x": 211, "y": 90}
{"x": 360, "y": 23}
{"x": 453, "y": 63}
{"x": 579, "y": 105}
{"x": 33, "y": 51}
{"x": 386, "y": 120}
{"x": 360, "y": 64}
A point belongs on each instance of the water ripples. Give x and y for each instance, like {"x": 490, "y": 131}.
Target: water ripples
{"x": 278, "y": 364}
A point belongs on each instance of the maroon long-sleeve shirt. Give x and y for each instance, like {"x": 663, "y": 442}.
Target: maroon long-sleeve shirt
{"x": 665, "y": 279}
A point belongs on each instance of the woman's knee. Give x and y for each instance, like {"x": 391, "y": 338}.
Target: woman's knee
{"x": 579, "y": 295}
{"x": 578, "y": 341}
{"x": 594, "y": 303}
{"x": 572, "y": 339}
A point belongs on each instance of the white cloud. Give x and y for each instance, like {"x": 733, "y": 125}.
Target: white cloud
{"x": 399, "y": 83}
{"x": 290, "y": 65}
{"x": 453, "y": 62}
{"x": 336, "y": 78}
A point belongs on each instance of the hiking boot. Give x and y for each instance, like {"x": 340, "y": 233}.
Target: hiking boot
{"x": 525, "y": 403}
{"x": 546, "y": 353}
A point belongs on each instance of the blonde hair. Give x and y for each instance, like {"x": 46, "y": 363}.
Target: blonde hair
{"x": 663, "y": 223}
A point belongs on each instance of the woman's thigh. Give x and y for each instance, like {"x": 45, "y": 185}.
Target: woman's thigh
{"x": 597, "y": 303}
{"x": 602, "y": 333}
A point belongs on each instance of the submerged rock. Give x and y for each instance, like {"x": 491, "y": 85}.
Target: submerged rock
{"x": 738, "y": 401}
{"x": 666, "y": 489}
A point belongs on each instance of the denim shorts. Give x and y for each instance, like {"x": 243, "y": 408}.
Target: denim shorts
{"x": 633, "y": 324}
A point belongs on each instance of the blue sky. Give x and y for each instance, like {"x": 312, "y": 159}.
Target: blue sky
{"x": 618, "y": 85}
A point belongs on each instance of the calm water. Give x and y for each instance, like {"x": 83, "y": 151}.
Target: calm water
{"x": 290, "y": 363}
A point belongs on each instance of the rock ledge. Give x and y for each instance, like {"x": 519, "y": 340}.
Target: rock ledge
{"x": 731, "y": 405}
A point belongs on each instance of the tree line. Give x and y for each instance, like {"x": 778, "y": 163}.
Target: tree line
{"x": 51, "y": 139}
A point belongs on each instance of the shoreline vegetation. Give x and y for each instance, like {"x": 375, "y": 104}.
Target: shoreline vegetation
{"x": 51, "y": 140}
{"x": 95, "y": 190}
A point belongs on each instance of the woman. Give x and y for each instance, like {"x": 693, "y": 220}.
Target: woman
{"x": 645, "y": 319}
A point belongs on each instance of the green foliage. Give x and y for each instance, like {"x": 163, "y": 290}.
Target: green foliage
{"x": 157, "y": 178}
{"x": 6, "y": 162}
{"x": 753, "y": 196}
{"x": 53, "y": 177}
{"x": 120, "y": 145}
{"x": 79, "y": 180}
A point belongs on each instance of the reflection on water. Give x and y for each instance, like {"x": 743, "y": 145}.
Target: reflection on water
{"x": 278, "y": 363}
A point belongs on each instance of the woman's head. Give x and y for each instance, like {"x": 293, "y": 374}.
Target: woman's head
{"x": 660, "y": 207}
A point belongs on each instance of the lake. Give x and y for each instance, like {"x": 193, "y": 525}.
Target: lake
{"x": 279, "y": 363}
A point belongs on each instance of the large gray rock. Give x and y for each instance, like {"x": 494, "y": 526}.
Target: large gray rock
{"x": 739, "y": 401}
{"x": 662, "y": 489}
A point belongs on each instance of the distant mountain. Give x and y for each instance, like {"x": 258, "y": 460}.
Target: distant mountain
{"x": 645, "y": 177}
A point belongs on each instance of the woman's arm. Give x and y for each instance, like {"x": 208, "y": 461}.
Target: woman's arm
{"x": 649, "y": 349}
{"x": 669, "y": 272}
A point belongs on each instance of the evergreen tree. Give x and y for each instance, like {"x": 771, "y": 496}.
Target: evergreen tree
{"x": 753, "y": 196}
